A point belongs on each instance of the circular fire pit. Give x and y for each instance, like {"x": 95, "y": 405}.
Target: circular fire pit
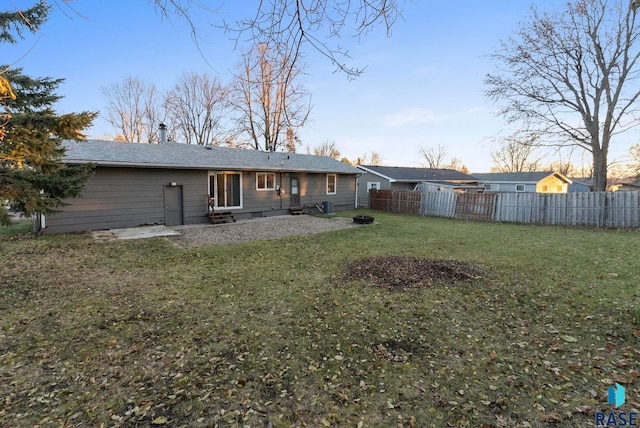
{"x": 363, "y": 219}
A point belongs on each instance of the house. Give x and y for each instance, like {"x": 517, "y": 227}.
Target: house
{"x": 407, "y": 178}
{"x": 532, "y": 182}
{"x": 580, "y": 185}
{"x": 623, "y": 185}
{"x": 173, "y": 184}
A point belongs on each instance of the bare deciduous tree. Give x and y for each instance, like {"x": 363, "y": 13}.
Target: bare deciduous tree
{"x": 515, "y": 156}
{"x": 196, "y": 110}
{"x": 572, "y": 76}
{"x": 634, "y": 165}
{"x": 133, "y": 110}
{"x": 294, "y": 25}
{"x": 435, "y": 157}
{"x": 270, "y": 104}
{"x": 457, "y": 165}
{"x": 368, "y": 159}
{"x": 328, "y": 148}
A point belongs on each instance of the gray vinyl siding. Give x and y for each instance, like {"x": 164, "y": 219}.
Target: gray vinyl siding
{"x": 385, "y": 184}
{"x": 510, "y": 187}
{"x": 314, "y": 190}
{"x": 262, "y": 203}
{"x": 128, "y": 197}
{"x": 363, "y": 194}
{"x": 117, "y": 197}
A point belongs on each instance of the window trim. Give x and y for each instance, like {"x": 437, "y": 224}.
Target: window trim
{"x": 335, "y": 184}
{"x": 372, "y": 184}
{"x": 524, "y": 188}
{"x": 266, "y": 174}
{"x": 214, "y": 191}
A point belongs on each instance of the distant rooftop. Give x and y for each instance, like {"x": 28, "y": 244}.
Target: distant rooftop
{"x": 408, "y": 174}
{"x": 520, "y": 177}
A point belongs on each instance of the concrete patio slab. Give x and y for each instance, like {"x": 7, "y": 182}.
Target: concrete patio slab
{"x": 141, "y": 232}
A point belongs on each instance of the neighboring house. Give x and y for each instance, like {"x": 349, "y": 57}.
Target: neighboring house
{"x": 532, "y": 182}
{"x": 173, "y": 184}
{"x": 624, "y": 185}
{"x": 405, "y": 178}
{"x": 580, "y": 184}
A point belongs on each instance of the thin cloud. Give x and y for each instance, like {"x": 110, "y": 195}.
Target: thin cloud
{"x": 419, "y": 116}
{"x": 415, "y": 116}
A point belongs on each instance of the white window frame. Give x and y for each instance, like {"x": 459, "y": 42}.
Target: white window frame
{"x": 373, "y": 185}
{"x": 266, "y": 181}
{"x": 335, "y": 184}
{"x": 214, "y": 191}
{"x": 524, "y": 188}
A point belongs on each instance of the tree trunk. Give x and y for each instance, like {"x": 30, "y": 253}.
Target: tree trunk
{"x": 599, "y": 171}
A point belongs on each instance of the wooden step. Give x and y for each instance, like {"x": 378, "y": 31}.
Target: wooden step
{"x": 296, "y": 210}
{"x": 218, "y": 217}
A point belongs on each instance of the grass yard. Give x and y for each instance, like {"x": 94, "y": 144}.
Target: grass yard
{"x": 273, "y": 333}
{"x": 18, "y": 227}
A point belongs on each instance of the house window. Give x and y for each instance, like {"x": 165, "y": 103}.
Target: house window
{"x": 559, "y": 189}
{"x": 487, "y": 187}
{"x": 331, "y": 184}
{"x": 545, "y": 188}
{"x": 519, "y": 187}
{"x": 375, "y": 185}
{"x": 266, "y": 181}
{"x": 226, "y": 189}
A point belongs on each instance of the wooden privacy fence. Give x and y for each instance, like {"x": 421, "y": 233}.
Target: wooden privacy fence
{"x": 599, "y": 209}
{"x": 395, "y": 201}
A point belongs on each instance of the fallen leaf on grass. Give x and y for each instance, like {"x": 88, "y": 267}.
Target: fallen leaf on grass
{"x": 549, "y": 419}
{"x": 569, "y": 339}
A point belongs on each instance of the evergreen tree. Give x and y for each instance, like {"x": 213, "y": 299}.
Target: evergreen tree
{"x": 13, "y": 24}
{"x": 32, "y": 177}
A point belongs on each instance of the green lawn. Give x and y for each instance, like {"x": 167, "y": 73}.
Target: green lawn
{"x": 18, "y": 227}
{"x": 141, "y": 333}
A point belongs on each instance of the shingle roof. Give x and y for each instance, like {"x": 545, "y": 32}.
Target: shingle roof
{"x": 187, "y": 156}
{"x": 407, "y": 174}
{"x": 520, "y": 177}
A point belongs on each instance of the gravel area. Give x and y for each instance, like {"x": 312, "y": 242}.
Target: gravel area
{"x": 192, "y": 236}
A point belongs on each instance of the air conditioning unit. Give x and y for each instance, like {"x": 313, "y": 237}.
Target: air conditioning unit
{"x": 327, "y": 207}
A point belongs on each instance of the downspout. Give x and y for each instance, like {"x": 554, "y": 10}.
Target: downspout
{"x": 355, "y": 203}
{"x": 357, "y": 183}
{"x": 280, "y": 190}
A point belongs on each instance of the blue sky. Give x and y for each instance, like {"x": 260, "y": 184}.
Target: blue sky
{"x": 423, "y": 87}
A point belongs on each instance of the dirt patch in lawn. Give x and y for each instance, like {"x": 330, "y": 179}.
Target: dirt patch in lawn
{"x": 398, "y": 272}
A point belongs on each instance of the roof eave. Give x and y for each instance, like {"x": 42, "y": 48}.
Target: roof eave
{"x": 391, "y": 180}
{"x": 202, "y": 167}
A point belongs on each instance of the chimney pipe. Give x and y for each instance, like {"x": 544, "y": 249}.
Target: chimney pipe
{"x": 163, "y": 133}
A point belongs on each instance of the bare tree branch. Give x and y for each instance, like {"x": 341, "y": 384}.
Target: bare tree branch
{"x": 515, "y": 156}
{"x": 196, "y": 109}
{"x": 269, "y": 102}
{"x": 292, "y": 24}
{"x": 435, "y": 157}
{"x": 133, "y": 110}
{"x": 571, "y": 77}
